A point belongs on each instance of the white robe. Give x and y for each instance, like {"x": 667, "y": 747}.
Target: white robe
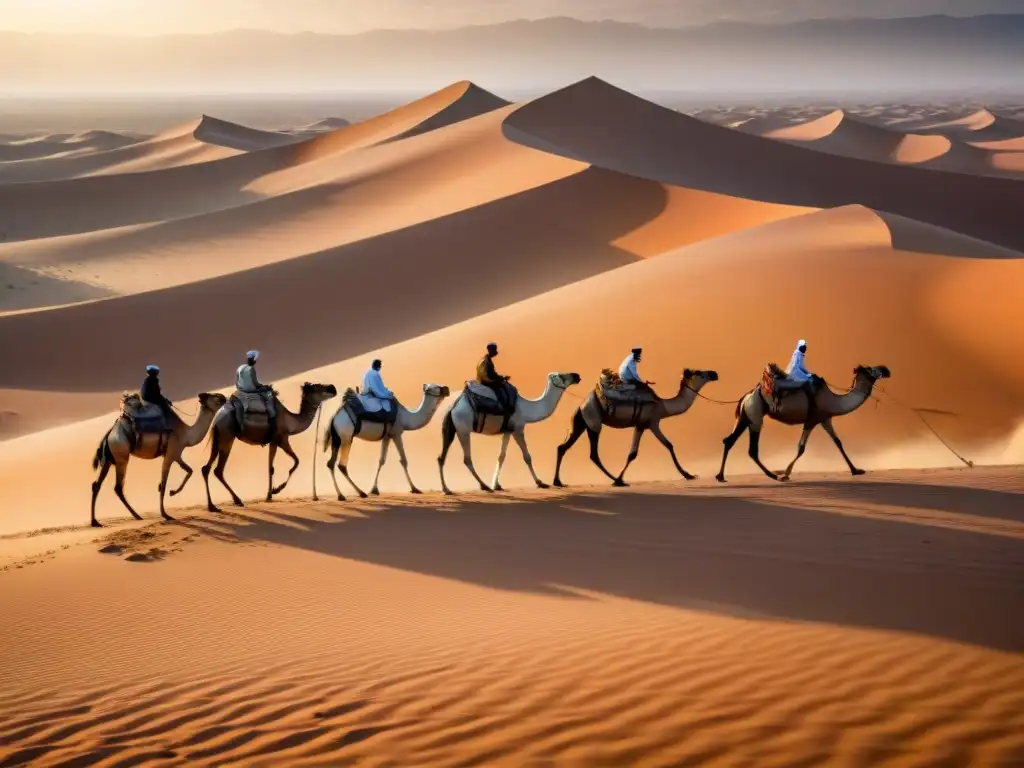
{"x": 796, "y": 370}
{"x": 628, "y": 372}
{"x": 374, "y": 394}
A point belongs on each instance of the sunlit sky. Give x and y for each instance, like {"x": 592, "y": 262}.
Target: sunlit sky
{"x": 350, "y": 16}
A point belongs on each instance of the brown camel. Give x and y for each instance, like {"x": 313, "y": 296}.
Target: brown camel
{"x": 641, "y": 416}
{"x": 754, "y": 406}
{"x": 225, "y": 431}
{"x": 121, "y": 443}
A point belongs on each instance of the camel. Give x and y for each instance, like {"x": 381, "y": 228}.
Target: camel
{"x": 461, "y": 417}
{"x": 342, "y": 431}
{"x": 642, "y": 416}
{"x": 753, "y": 407}
{"x": 225, "y": 431}
{"x": 120, "y": 444}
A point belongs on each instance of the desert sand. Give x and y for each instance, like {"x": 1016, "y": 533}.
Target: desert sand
{"x": 862, "y": 621}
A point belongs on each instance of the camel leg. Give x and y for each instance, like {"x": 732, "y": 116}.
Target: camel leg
{"x": 638, "y": 433}
{"x": 285, "y": 444}
{"x": 595, "y": 438}
{"x": 579, "y": 426}
{"x": 333, "y": 460}
{"x": 520, "y": 437}
{"x": 188, "y": 474}
{"x": 219, "y": 452}
{"x": 656, "y": 431}
{"x": 501, "y": 460}
{"x": 755, "y": 439}
{"x": 120, "y": 471}
{"x": 808, "y": 428}
{"x": 447, "y": 437}
{"x": 467, "y": 459}
{"x": 730, "y": 440}
{"x": 104, "y": 469}
{"x": 271, "y": 453}
{"x": 165, "y": 470}
{"x": 385, "y": 443}
{"x": 827, "y": 426}
{"x": 400, "y": 447}
{"x": 343, "y": 467}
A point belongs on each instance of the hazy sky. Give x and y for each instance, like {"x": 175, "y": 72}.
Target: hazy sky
{"x": 348, "y": 16}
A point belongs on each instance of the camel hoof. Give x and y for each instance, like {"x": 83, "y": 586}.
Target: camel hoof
{"x": 96, "y": 524}
{"x": 498, "y": 487}
{"x": 859, "y": 472}
{"x": 782, "y": 478}
{"x": 340, "y": 497}
{"x": 486, "y": 489}
{"x": 559, "y": 484}
{"x": 720, "y": 477}
{"x": 211, "y": 508}
{"x": 362, "y": 495}
{"x": 543, "y": 486}
{"x": 168, "y": 517}
{"x": 620, "y": 484}
{"x": 375, "y": 492}
{"x": 417, "y": 491}
{"x": 448, "y": 493}
{"x": 690, "y": 477}
{"x": 238, "y": 503}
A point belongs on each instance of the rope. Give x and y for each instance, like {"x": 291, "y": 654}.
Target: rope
{"x": 183, "y": 413}
{"x": 924, "y": 421}
{"x": 316, "y": 441}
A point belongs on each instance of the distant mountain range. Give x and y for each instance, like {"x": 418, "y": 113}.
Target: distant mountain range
{"x": 907, "y": 54}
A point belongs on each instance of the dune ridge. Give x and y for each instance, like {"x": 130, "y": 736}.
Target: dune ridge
{"x": 596, "y": 122}
{"x": 844, "y": 134}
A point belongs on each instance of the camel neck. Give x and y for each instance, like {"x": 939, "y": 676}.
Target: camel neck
{"x": 860, "y": 391}
{"x": 420, "y": 417}
{"x": 684, "y": 398}
{"x": 543, "y": 407}
{"x": 195, "y": 432}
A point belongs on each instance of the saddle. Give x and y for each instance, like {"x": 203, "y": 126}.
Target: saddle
{"x": 484, "y": 402}
{"x": 356, "y": 406}
{"x": 144, "y": 418}
{"x": 773, "y": 394}
{"x": 612, "y": 391}
{"x": 253, "y": 408}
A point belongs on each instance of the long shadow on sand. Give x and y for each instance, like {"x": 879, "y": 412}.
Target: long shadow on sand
{"x": 752, "y": 558}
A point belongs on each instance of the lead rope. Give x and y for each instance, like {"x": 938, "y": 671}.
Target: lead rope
{"x": 316, "y": 441}
{"x": 924, "y": 421}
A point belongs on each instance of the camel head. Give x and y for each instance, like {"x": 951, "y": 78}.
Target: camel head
{"x": 212, "y": 401}
{"x": 439, "y": 391}
{"x": 317, "y": 393}
{"x": 564, "y": 380}
{"x": 872, "y": 372}
{"x": 702, "y": 377}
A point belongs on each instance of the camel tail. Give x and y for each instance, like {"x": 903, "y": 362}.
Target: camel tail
{"x": 102, "y": 451}
{"x": 447, "y": 428}
{"x": 331, "y": 436}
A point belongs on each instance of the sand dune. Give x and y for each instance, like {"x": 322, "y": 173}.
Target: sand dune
{"x": 306, "y": 209}
{"x": 843, "y": 134}
{"x": 14, "y": 150}
{"x": 892, "y": 298}
{"x": 124, "y": 196}
{"x": 869, "y": 620}
{"x": 579, "y": 630}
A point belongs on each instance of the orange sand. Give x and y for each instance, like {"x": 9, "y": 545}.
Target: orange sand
{"x": 865, "y": 621}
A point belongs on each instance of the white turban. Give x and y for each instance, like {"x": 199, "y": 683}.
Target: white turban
{"x": 253, "y": 353}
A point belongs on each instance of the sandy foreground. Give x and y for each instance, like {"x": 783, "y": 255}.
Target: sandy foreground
{"x": 834, "y": 620}
{"x": 866, "y": 622}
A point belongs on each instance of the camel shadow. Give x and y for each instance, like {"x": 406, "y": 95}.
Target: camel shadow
{"x": 756, "y": 559}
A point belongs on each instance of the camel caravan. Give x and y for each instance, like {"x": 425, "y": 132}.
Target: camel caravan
{"x": 148, "y": 426}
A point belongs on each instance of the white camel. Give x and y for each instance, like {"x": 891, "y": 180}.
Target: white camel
{"x": 342, "y": 431}
{"x": 461, "y": 421}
